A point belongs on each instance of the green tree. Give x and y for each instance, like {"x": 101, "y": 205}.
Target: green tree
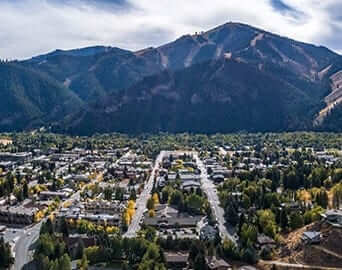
{"x": 296, "y": 220}
{"x": 64, "y": 263}
{"x": 6, "y": 258}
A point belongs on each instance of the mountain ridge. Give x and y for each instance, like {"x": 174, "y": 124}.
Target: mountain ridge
{"x": 102, "y": 77}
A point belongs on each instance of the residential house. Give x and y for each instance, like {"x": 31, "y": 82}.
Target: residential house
{"x": 176, "y": 260}
{"x": 333, "y": 217}
{"x": 214, "y": 263}
{"x": 311, "y": 237}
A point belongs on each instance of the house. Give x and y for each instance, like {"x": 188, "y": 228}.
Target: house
{"x": 218, "y": 178}
{"x": 19, "y": 158}
{"x": 73, "y": 240}
{"x": 2, "y": 230}
{"x": 265, "y": 241}
{"x": 7, "y": 165}
{"x": 104, "y": 207}
{"x": 189, "y": 177}
{"x": 19, "y": 215}
{"x": 167, "y": 217}
{"x": 208, "y": 232}
{"x": 190, "y": 185}
{"x": 214, "y": 263}
{"x": 311, "y": 237}
{"x": 47, "y": 195}
{"x": 333, "y": 217}
{"x": 176, "y": 260}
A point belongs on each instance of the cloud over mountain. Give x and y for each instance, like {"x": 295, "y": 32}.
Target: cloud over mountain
{"x": 30, "y": 27}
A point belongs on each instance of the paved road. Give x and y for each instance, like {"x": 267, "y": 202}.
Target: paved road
{"x": 222, "y": 151}
{"x": 299, "y": 266}
{"x": 134, "y": 227}
{"x": 22, "y": 251}
{"x": 210, "y": 189}
{"x": 30, "y": 235}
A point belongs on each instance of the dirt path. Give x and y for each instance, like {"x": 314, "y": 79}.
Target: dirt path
{"x": 328, "y": 251}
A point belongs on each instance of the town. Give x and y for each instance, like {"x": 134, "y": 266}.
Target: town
{"x": 242, "y": 201}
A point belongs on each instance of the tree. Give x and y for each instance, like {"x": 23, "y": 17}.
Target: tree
{"x": 267, "y": 222}
{"x": 80, "y": 249}
{"x": 150, "y": 234}
{"x": 83, "y": 264}
{"x": 155, "y": 198}
{"x": 64, "y": 262}
{"x": 199, "y": 263}
{"x": 194, "y": 203}
{"x": 296, "y": 221}
{"x": 25, "y": 190}
{"x": 231, "y": 214}
{"x": 108, "y": 194}
{"x": 249, "y": 255}
{"x": 6, "y": 258}
{"x": 230, "y": 250}
{"x": 249, "y": 234}
{"x": 133, "y": 195}
{"x": 177, "y": 198}
{"x": 150, "y": 204}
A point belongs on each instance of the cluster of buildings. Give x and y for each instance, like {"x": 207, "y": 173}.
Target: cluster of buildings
{"x": 98, "y": 212}
{"x": 41, "y": 169}
{"x": 169, "y": 222}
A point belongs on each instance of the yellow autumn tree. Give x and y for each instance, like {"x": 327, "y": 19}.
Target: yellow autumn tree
{"x": 155, "y": 199}
{"x": 304, "y": 195}
{"x": 131, "y": 204}
{"x": 126, "y": 218}
{"x": 38, "y": 216}
{"x": 151, "y": 213}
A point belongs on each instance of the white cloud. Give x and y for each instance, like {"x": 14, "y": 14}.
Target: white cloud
{"x": 31, "y": 27}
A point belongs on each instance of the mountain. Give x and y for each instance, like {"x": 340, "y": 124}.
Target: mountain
{"x": 233, "y": 77}
{"x": 253, "y": 75}
{"x": 96, "y": 71}
{"x": 248, "y": 44}
{"x": 93, "y": 72}
{"x": 218, "y": 96}
{"x": 88, "y": 51}
{"x": 29, "y": 98}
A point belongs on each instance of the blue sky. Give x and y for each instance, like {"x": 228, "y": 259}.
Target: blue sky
{"x": 32, "y": 27}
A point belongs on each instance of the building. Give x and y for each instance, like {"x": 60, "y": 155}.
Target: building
{"x": 77, "y": 178}
{"x": 190, "y": 185}
{"x": 18, "y": 215}
{"x": 176, "y": 260}
{"x": 333, "y": 217}
{"x": 104, "y": 207}
{"x": 2, "y": 230}
{"x": 167, "y": 217}
{"x": 263, "y": 241}
{"x": 73, "y": 240}
{"x": 208, "y": 232}
{"x": 218, "y": 178}
{"x": 214, "y": 263}
{"x": 19, "y": 158}
{"x": 311, "y": 237}
{"x": 47, "y": 195}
